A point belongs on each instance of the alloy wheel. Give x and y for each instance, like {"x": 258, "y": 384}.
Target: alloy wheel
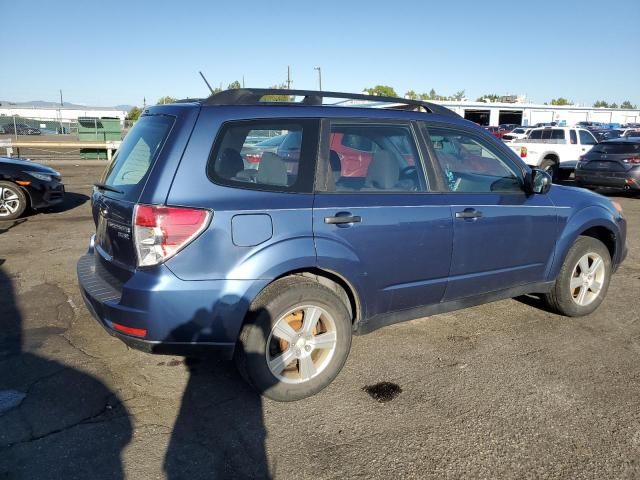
{"x": 301, "y": 344}
{"x": 587, "y": 279}
{"x": 9, "y": 202}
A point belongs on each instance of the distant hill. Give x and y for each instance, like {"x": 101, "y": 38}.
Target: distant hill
{"x": 43, "y": 104}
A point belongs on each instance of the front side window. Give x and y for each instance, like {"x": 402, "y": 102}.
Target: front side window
{"x": 276, "y": 155}
{"x": 374, "y": 158}
{"x": 471, "y": 165}
{"x": 586, "y": 138}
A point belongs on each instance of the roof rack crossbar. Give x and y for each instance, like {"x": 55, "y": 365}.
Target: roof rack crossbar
{"x": 252, "y": 96}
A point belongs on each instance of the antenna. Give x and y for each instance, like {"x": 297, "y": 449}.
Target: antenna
{"x": 205, "y": 81}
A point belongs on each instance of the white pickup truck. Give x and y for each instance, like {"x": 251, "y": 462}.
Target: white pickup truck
{"x": 553, "y": 148}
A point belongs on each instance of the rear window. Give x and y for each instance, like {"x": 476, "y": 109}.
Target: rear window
{"x": 135, "y": 157}
{"x": 617, "y": 148}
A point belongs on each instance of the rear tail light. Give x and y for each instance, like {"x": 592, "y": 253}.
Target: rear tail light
{"x": 523, "y": 152}
{"x": 632, "y": 160}
{"x": 253, "y": 157}
{"x": 161, "y": 232}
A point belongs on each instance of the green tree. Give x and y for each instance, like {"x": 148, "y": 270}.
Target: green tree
{"x": 234, "y": 84}
{"x": 601, "y": 104}
{"x": 382, "y": 90}
{"x": 628, "y": 105}
{"x": 491, "y": 97}
{"x": 277, "y": 98}
{"x": 134, "y": 113}
{"x": 560, "y": 101}
{"x": 459, "y": 95}
{"x": 411, "y": 95}
{"x": 166, "y": 99}
{"x": 613, "y": 105}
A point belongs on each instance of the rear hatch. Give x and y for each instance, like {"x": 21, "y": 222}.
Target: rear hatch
{"x": 115, "y": 197}
{"x": 612, "y": 157}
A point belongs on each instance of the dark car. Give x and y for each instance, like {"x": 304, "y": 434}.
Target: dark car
{"x": 606, "y": 134}
{"x": 27, "y": 184}
{"x": 611, "y": 164}
{"x": 20, "y": 129}
{"x": 278, "y": 268}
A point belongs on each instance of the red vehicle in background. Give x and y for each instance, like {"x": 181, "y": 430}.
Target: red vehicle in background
{"x": 497, "y": 131}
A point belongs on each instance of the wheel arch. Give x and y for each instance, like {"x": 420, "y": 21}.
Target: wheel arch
{"x": 595, "y": 222}
{"x": 334, "y": 281}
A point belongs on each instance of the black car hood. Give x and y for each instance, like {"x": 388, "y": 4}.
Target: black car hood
{"x": 28, "y": 166}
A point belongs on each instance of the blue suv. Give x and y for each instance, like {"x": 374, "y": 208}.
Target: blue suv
{"x": 279, "y": 258}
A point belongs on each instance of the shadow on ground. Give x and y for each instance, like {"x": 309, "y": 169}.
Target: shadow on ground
{"x": 55, "y": 421}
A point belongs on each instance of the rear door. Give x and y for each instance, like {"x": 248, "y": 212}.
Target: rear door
{"x": 502, "y": 236}
{"x": 383, "y": 230}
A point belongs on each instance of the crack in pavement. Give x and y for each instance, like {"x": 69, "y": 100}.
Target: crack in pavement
{"x": 85, "y": 421}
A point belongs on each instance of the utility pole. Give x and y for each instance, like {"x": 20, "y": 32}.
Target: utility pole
{"x": 319, "y": 77}
{"x": 242, "y": 81}
{"x": 288, "y": 77}
{"x": 144, "y": 102}
{"x": 61, "y": 104}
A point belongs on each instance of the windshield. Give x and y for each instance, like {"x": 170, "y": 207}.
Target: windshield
{"x": 139, "y": 150}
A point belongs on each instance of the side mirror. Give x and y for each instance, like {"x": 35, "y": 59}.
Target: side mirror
{"x": 541, "y": 181}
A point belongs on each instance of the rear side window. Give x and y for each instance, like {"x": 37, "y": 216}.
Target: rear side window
{"x": 276, "y": 155}
{"x": 389, "y": 163}
{"x": 135, "y": 157}
{"x": 535, "y": 134}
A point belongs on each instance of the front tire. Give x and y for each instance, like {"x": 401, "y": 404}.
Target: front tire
{"x": 296, "y": 339}
{"x": 13, "y": 201}
{"x": 583, "y": 280}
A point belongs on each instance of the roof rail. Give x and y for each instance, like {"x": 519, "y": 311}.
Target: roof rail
{"x": 252, "y": 96}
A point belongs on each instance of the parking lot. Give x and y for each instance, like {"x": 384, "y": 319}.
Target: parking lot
{"x": 505, "y": 390}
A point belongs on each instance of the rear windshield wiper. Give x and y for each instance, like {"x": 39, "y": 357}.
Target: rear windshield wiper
{"x": 109, "y": 188}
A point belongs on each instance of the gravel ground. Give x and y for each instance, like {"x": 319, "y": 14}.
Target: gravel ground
{"x": 505, "y": 390}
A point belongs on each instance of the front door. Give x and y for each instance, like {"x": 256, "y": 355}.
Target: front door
{"x": 502, "y": 237}
{"x": 382, "y": 230}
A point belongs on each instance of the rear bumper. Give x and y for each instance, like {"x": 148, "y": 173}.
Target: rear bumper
{"x": 177, "y": 316}
{"x": 629, "y": 180}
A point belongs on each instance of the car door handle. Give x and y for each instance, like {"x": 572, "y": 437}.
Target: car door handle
{"x": 469, "y": 214}
{"x": 342, "y": 218}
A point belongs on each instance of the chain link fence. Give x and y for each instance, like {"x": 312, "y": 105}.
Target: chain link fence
{"x": 16, "y": 125}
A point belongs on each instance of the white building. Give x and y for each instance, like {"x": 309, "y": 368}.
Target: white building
{"x": 61, "y": 114}
{"x": 530, "y": 113}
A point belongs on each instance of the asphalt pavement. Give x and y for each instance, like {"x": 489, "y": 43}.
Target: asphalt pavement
{"x": 505, "y": 390}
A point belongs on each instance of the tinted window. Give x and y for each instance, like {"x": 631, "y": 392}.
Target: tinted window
{"x": 133, "y": 160}
{"x": 535, "y": 134}
{"x": 471, "y": 164}
{"x": 573, "y": 136}
{"x": 388, "y": 164}
{"x": 586, "y": 138}
{"x": 557, "y": 134}
{"x": 617, "y": 148}
{"x": 238, "y": 161}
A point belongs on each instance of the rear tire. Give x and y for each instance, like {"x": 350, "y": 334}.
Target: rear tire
{"x": 583, "y": 280}
{"x": 295, "y": 341}
{"x": 551, "y": 167}
{"x": 13, "y": 201}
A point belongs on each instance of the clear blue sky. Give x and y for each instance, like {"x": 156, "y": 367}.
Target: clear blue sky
{"x": 115, "y": 52}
